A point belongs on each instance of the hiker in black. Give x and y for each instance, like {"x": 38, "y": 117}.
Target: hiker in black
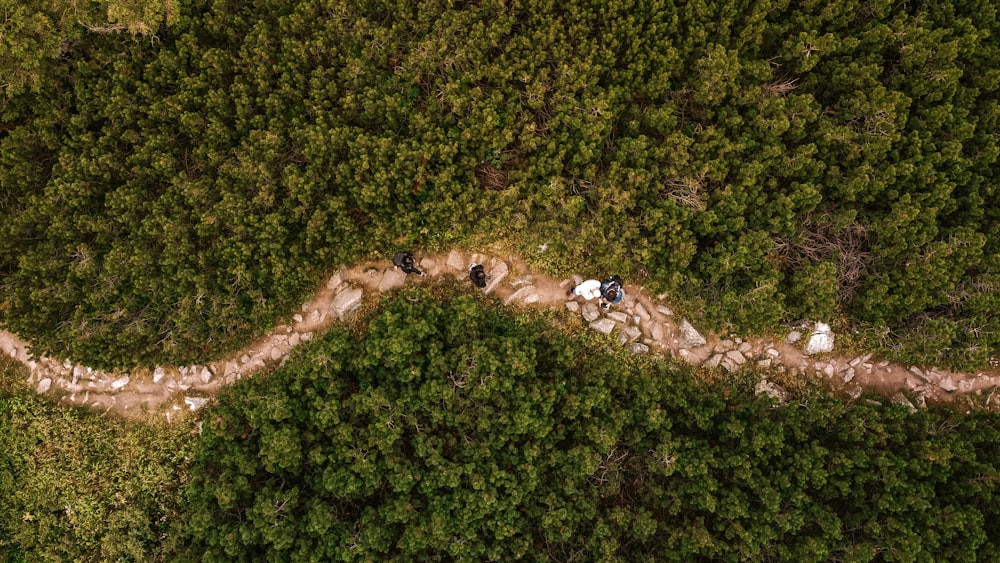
{"x": 405, "y": 262}
{"x": 478, "y": 275}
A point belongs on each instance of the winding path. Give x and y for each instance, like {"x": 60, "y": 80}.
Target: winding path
{"x": 642, "y": 322}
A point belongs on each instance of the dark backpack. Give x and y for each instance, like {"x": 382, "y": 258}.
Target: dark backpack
{"x": 478, "y": 275}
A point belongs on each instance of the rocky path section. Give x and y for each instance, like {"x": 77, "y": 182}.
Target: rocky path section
{"x": 643, "y": 323}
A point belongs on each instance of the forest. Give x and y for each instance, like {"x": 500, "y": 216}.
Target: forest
{"x": 175, "y": 176}
{"x": 452, "y": 429}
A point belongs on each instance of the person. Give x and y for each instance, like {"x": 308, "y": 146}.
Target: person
{"x": 588, "y": 290}
{"x": 404, "y": 260}
{"x": 611, "y": 291}
{"x": 478, "y": 275}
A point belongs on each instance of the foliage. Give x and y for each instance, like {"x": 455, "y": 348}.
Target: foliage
{"x": 161, "y": 201}
{"x": 453, "y": 431}
{"x": 76, "y": 487}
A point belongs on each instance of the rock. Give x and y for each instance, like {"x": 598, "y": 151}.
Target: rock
{"x": 455, "y": 261}
{"x": 948, "y": 384}
{"x": 523, "y": 280}
{"x": 765, "y": 363}
{"x": 231, "y": 369}
{"x": 901, "y": 399}
{"x": 195, "y": 403}
{"x": 829, "y": 370}
{"x": 315, "y": 316}
{"x": 521, "y": 294}
{"x": 293, "y": 340}
{"x": 664, "y": 310}
{"x": 736, "y": 357}
{"x": 639, "y": 348}
{"x": 119, "y": 383}
{"x": 297, "y": 318}
{"x": 745, "y": 348}
{"x": 572, "y": 306}
{"x": 577, "y": 279}
{"x": 641, "y": 312}
{"x": 158, "y": 374}
{"x": 848, "y": 375}
{"x": 603, "y": 326}
{"x": 854, "y": 392}
{"x": 78, "y": 372}
{"x": 656, "y": 332}
{"x": 391, "y": 279}
{"x": 44, "y": 385}
{"x": 765, "y": 387}
{"x": 618, "y": 316}
{"x": 347, "y": 301}
{"x": 713, "y": 361}
{"x": 334, "y": 281}
{"x": 916, "y": 372}
{"x": 591, "y": 312}
{"x": 723, "y": 346}
{"x": 729, "y": 365}
{"x": 821, "y": 340}
{"x": 497, "y": 274}
{"x": 206, "y": 375}
{"x": 276, "y": 353}
{"x": 772, "y": 352}
{"x": 690, "y": 338}
{"x": 793, "y": 337}
{"x": 428, "y": 264}
{"x": 629, "y": 334}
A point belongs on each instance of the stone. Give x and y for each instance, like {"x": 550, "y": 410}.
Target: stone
{"x": 195, "y": 403}
{"x": 948, "y": 384}
{"x": 916, "y": 372}
{"x": 848, "y": 375}
{"x": 772, "y": 352}
{"x": 78, "y": 372}
{"x": 618, "y": 316}
{"x": 577, "y": 279}
{"x": 736, "y": 357}
{"x": 591, "y": 312}
{"x": 523, "y": 280}
{"x": 391, "y": 279}
{"x": 793, "y": 337}
{"x": 829, "y": 370}
{"x": 297, "y": 318}
{"x": 119, "y": 383}
{"x": 572, "y": 306}
{"x": 158, "y": 374}
{"x": 664, "y": 310}
{"x": 206, "y": 375}
{"x": 334, "y": 281}
{"x": 347, "y": 301}
{"x": 639, "y": 348}
{"x": 293, "y": 340}
{"x": 656, "y": 332}
{"x": 901, "y": 399}
{"x": 629, "y": 334}
{"x": 745, "y": 348}
{"x": 765, "y": 363}
{"x": 603, "y": 326}
{"x": 497, "y": 274}
{"x": 690, "y": 338}
{"x": 713, "y": 361}
{"x": 821, "y": 340}
{"x": 729, "y": 365}
{"x": 276, "y": 353}
{"x": 314, "y": 317}
{"x": 765, "y": 387}
{"x": 521, "y": 294}
{"x": 455, "y": 261}
{"x": 723, "y": 346}
{"x": 428, "y": 263}
{"x": 231, "y": 369}
{"x": 641, "y": 312}
{"x": 44, "y": 385}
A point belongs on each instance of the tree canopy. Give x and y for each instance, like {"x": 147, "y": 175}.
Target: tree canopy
{"x": 164, "y": 200}
{"x": 453, "y": 430}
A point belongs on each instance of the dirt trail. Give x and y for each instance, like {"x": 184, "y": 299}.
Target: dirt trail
{"x": 642, "y": 322}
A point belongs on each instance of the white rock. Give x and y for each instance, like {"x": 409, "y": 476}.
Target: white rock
{"x": 765, "y": 387}
{"x": 391, "y": 279}
{"x": 293, "y": 340}
{"x": 591, "y": 312}
{"x": 572, "y": 306}
{"x": 520, "y": 294}
{"x": 821, "y": 340}
{"x": 639, "y": 348}
{"x": 206, "y": 375}
{"x": 629, "y": 334}
{"x": 297, "y": 318}
{"x": 664, "y": 310}
{"x": 158, "y": 374}
{"x": 736, "y": 357}
{"x": 347, "y": 301}
{"x": 276, "y": 353}
{"x": 603, "y": 326}
{"x": 848, "y": 375}
{"x": 119, "y": 383}
{"x": 948, "y": 384}
{"x": 641, "y": 311}
{"x": 772, "y": 352}
{"x": 78, "y": 372}
{"x": 618, "y": 316}
{"x": 656, "y": 332}
{"x": 793, "y": 337}
{"x": 690, "y": 338}
{"x": 497, "y": 275}
{"x": 765, "y": 363}
{"x": 195, "y": 403}
{"x": 712, "y": 362}
{"x": 44, "y": 385}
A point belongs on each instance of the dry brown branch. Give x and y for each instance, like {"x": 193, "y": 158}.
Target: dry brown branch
{"x": 819, "y": 240}
{"x": 491, "y": 178}
{"x": 781, "y": 87}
